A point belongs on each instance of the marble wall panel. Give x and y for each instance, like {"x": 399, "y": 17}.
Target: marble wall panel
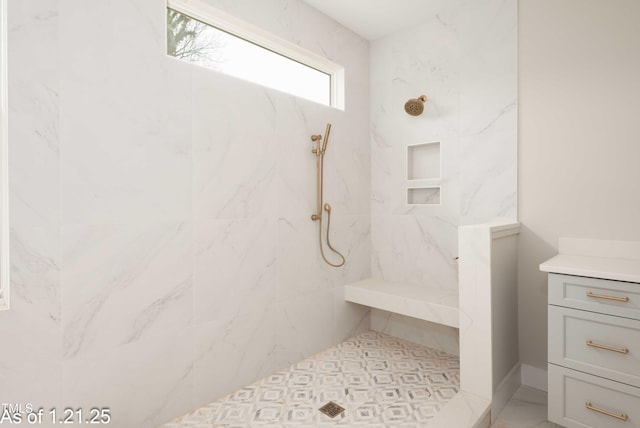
{"x": 305, "y": 326}
{"x": 235, "y": 268}
{"x": 122, "y": 283}
{"x": 469, "y": 77}
{"x": 232, "y": 352}
{"x": 125, "y": 123}
{"x": 143, "y": 383}
{"x": 33, "y": 119}
{"x": 160, "y": 212}
{"x": 31, "y": 363}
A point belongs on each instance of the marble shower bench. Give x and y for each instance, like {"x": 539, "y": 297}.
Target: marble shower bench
{"x": 484, "y": 311}
{"x": 437, "y": 305}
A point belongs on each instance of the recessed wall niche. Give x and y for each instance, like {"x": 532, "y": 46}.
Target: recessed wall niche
{"x": 423, "y": 174}
{"x": 423, "y": 161}
{"x": 423, "y": 196}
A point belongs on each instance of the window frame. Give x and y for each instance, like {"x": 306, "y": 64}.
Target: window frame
{"x": 4, "y": 164}
{"x": 207, "y": 14}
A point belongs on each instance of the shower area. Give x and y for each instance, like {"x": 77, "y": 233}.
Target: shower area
{"x": 162, "y": 251}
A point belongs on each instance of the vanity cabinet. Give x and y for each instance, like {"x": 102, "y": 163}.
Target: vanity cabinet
{"x": 593, "y": 341}
{"x": 594, "y": 352}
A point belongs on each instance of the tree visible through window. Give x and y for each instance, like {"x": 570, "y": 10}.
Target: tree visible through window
{"x": 191, "y": 40}
{"x": 201, "y": 43}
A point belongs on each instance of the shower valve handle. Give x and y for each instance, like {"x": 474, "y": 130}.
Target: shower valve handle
{"x": 316, "y": 137}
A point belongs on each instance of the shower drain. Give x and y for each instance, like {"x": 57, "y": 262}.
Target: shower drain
{"x": 331, "y": 409}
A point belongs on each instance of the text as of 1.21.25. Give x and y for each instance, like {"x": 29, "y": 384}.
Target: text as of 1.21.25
{"x": 19, "y": 413}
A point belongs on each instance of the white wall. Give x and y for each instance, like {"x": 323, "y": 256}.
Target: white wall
{"x": 161, "y": 243}
{"x": 464, "y": 59}
{"x": 579, "y": 153}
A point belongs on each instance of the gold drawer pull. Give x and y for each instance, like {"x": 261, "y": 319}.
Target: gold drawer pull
{"x": 622, "y": 417}
{"x": 608, "y": 348}
{"x": 602, "y": 296}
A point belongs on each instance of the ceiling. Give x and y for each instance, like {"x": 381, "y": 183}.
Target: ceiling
{"x": 373, "y": 19}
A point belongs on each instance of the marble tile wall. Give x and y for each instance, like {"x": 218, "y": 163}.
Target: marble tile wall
{"x": 426, "y": 333}
{"x": 161, "y": 247}
{"x": 463, "y": 58}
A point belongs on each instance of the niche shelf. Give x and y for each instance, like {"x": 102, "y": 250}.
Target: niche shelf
{"x": 423, "y": 196}
{"x": 423, "y": 174}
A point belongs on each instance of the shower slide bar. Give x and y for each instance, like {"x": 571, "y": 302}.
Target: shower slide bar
{"x": 317, "y": 216}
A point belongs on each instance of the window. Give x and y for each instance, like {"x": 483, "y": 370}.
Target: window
{"x": 200, "y": 34}
{"x": 4, "y": 170}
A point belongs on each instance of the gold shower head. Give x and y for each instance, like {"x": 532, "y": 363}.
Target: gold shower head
{"x": 415, "y": 106}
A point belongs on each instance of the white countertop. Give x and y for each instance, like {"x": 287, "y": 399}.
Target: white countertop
{"x": 595, "y": 267}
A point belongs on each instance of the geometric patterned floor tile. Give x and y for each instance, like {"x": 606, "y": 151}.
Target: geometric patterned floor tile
{"x": 380, "y": 380}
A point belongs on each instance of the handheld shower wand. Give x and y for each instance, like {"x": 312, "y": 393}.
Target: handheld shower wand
{"x": 319, "y": 152}
{"x": 326, "y": 138}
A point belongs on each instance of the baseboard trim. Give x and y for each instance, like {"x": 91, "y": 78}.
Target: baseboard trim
{"x": 505, "y": 390}
{"x": 534, "y": 377}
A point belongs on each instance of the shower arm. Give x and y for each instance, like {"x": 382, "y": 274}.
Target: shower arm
{"x": 319, "y": 152}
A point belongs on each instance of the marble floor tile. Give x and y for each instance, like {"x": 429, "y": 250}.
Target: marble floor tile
{"x": 526, "y": 409}
{"x": 380, "y": 381}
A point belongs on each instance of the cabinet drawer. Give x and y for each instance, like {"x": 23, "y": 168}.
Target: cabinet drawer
{"x": 603, "y": 345}
{"x": 571, "y": 393}
{"x": 597, "y": 295}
